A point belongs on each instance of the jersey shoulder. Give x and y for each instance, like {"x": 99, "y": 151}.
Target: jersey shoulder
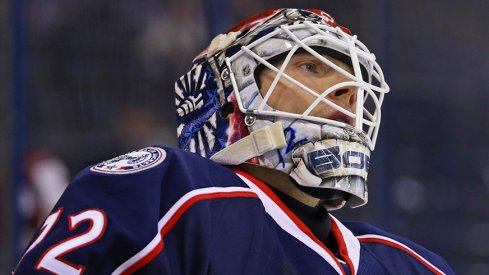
{"x": 386, "y": 245}
{"x": 116, "y": 208}
{"x": 160, "y": 175}
{"x": 159, "y": 164}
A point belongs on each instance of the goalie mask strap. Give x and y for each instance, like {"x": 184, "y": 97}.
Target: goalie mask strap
{"x": 255, "y": 144}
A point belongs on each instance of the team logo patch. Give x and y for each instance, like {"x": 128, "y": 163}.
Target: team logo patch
{"x": 132, "y": 162}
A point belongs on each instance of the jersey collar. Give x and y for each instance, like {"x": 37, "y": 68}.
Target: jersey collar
{"x": 348, "y": 245}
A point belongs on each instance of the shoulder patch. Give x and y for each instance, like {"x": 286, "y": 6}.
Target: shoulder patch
{"x": 132, "y": 162}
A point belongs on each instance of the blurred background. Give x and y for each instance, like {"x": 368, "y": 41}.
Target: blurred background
{"x": 84, "y": 81}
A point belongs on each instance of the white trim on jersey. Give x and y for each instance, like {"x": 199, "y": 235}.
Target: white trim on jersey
{"x": 283, "y": 220}
{"x": 153, "y": 244}
{"x": 394, "y": 243}
{"x": 352, "y": 243}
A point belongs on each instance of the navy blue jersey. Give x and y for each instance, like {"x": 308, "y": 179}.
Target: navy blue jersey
{"x": 165, "y": 211}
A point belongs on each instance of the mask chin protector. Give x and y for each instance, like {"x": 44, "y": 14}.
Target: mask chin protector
{"x": 333, "y": 169}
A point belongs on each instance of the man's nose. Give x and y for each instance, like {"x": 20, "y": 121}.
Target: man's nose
{"x": 344, "y": 97}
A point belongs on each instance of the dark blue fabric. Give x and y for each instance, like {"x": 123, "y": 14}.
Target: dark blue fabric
{"x": 390, "y": 257}
{"x": 215, "y": 236}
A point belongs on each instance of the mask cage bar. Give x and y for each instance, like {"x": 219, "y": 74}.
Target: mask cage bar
{"x": 374, "y": 70}
{"x": 359, "y": 54}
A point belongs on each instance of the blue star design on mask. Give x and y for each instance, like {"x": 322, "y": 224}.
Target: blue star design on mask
{"x": 213, "y": 98}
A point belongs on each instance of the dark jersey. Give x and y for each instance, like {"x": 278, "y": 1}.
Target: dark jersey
{"x": 165, "y": 211}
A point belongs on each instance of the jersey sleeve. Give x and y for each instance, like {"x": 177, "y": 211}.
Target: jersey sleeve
{"x": 105, "y": 215}
{"x": 397, "y": 252}
{"x": 113, "y": 215}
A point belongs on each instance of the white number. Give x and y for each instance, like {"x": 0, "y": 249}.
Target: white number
{"x": 51, "y": 259}
{"x": 51, "y": 220}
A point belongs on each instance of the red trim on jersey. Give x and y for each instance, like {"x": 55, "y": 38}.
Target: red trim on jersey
{"x": 292, "y": 216}
{"x": 176, "y": 217}
{"x": 408, "y": 251}
{"x": 342, "y": 248}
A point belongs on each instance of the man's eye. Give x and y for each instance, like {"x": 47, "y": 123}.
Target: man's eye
{"x": 310, "y": 67}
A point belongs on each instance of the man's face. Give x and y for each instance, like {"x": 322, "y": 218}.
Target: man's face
{"x": 317, "y": 76}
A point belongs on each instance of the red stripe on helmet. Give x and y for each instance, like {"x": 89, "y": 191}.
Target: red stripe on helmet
{"x": 254, "y": 21}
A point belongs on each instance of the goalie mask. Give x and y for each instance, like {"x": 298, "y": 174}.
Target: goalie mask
{"x": 290, "y": 90}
